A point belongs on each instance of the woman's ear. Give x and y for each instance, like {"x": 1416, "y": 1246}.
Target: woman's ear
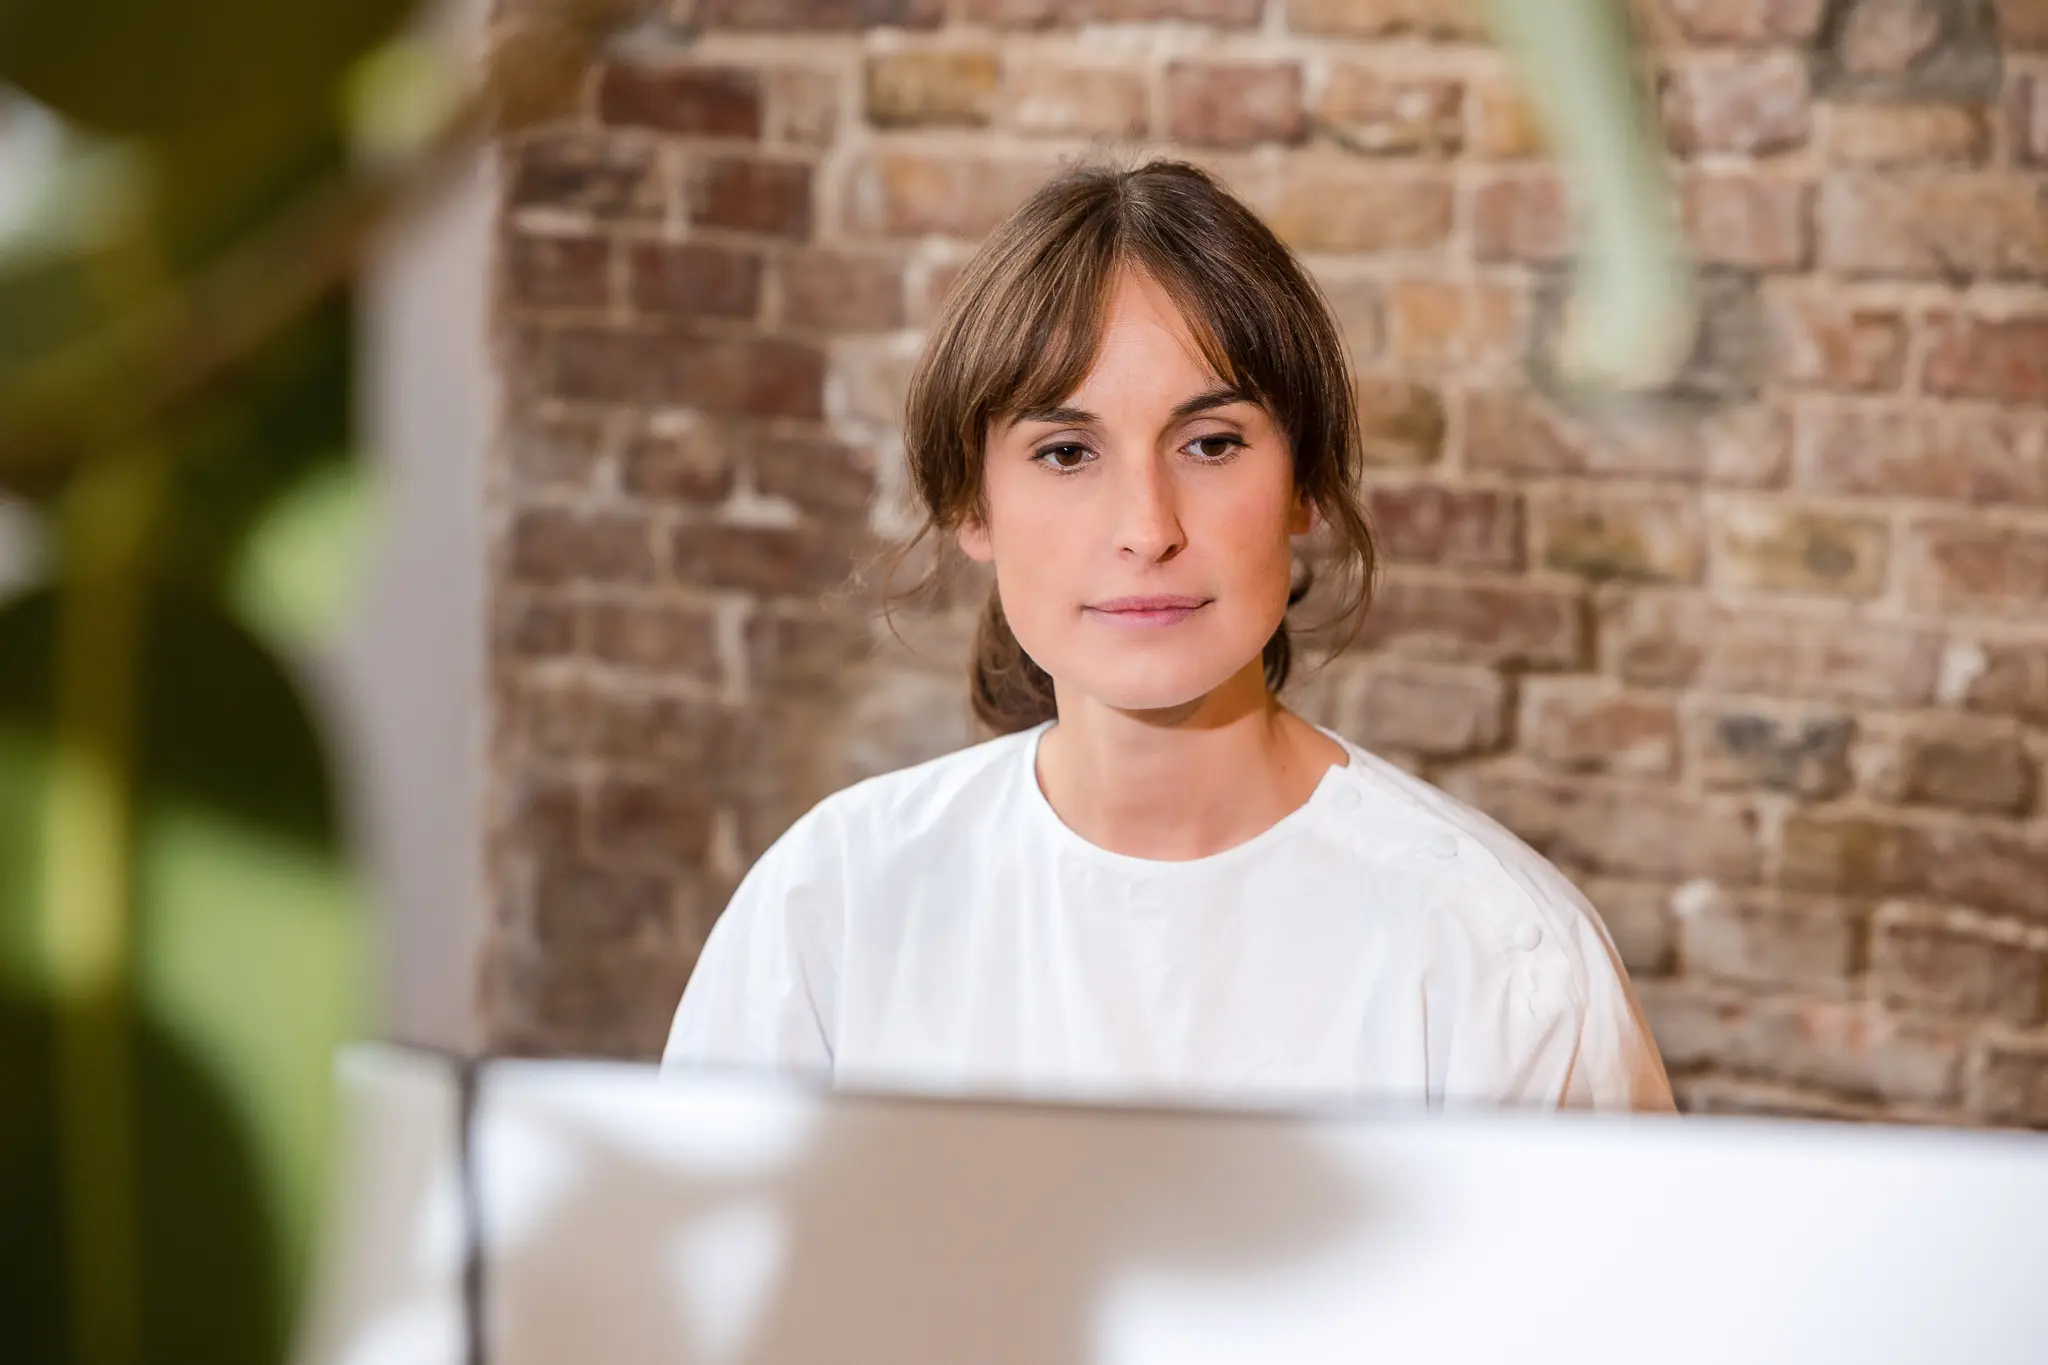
{"x": 974, "y": 540}
{"x": 1301, "y": 518}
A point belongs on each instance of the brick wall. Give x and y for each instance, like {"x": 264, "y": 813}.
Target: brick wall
{"x": 1763, "y": 665}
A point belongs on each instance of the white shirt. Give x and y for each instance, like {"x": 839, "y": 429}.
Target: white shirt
{"x": 940, "y": 930}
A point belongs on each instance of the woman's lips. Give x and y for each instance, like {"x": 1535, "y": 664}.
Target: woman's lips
{"x": 1146, "y": 611}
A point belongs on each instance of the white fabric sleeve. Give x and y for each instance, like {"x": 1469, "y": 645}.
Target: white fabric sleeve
{"x": 765, "y": 990}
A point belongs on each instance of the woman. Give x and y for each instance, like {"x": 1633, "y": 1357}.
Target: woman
{"x": 1159, "y": 883}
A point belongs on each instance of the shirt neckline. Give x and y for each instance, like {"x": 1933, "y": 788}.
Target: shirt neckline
{"x": 1070, "y": 842}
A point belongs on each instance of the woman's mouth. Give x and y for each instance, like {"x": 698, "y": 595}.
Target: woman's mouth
{"x": 1164, "y": 610}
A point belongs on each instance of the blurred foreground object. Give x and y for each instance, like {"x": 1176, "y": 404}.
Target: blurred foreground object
{"x": 614, "y": 1215}
{"x": 185, "y": 192}
{"x": 1633, "y": 313}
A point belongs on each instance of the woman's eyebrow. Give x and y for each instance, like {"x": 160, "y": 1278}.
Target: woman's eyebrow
{"x": 1214, "y": 398}
{"x": 1066, "y": 417}
{"x": 1079, "y": 417}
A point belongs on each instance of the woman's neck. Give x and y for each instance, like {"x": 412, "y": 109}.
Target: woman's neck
{"x": 1185, "y": 784}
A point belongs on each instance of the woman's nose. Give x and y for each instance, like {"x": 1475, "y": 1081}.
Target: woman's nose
{"x": 1149, "y": 527}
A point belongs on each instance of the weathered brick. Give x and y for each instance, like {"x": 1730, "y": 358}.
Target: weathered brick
{"x": 666, "y": 822}
{"x": 1502, "y": 123}
{"x": 555, "y": 449}
{"x": 1957, "y": 455}
{"x": 1638, "y": 918}
{"x": 1782, "y": 547}
{"x": 1935, "y": 225}
{"x": 1819, "y": 340}
{"x": 2004, "y": 679}
{"x": 1746, "y": 21}
{"x": 1453, "y": 324}
{"x": 1429, "y": 710}
{"x": 544, "y": 813}
{"x": 1235, "y": 104}
{"x": 1999, "y": 358}
{"x": 923, "y": 87}
{"x": 704, "y": 101}
{"x": 912, "y": 193}
{"x": 842, "y": 292}
{"x": 1749, "y": 221}
{"x": 1043, "y": 13}
{"x": 1401, "y": 423}
{"x": 1044, "y": 100}
{"x": 1635, "y": 535}
{"x": 668, "y": 638}
{"x": 1991, "y": 866}
{"x": 1906, "y": 134}
{"x": 551, "y": 546}
{"x": 1887, "y": 36}
{"x": 2026, "y": 118}
{"x": 668, "y": 463}
{"x": 1964, "y": 565}
{"x": 599, "y": 180}
{"x": 691, "y": 279}
{"x": 1839, "y": 1045}
{"x": 1376, "y": 110}
{"x": 1515, "y": 434}
{"x": 1380, "y": 18}
{"x": 1626, "y": 829}
{"x": 1432, "y": 523}
{"x": 2009, "y": 1082}
{"x": 654, "y": 730}
{"x": 1741, "y": 1097}
{"x": 1528, "y": 625}
{"x": 1591, "y": 725}
{"x": 790, "y": 650}
{"x": 1665, "y": 639}
{"x": 1951, "y": 960}
{"x": 1328, "y": 208}
{"x": 1975, "y": 769}
{"x": 1806, "y": 756}
{"x": 557, "y": 271}
{"x": 804, "y": 15}
{"x": 748, "y": 194}
{"x": 575, "y": 902}
{"x": 2022, "y": 24}
{"x": 543, "y": 718}
{"x": 756, "y": 376}
{"x": 532, "y": 626}
{"x": 770, "y": 560}
{"x": 1753, "y": 106}
{"x": 823, "y": 478}
{"x": 803, "y": 105}
{"x": 1766, "y": 938}
{"x": 1522, "y": 216}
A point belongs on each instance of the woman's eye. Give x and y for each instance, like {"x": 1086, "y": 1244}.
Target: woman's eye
{"x": 1064, "y": 457}
{"x": 1215, "y": 448}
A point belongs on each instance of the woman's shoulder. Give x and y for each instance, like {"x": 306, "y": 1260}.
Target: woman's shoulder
{"x": 935, "y": 793}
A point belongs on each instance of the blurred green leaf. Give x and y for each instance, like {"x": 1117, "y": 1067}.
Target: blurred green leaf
{"x": 147, "y": 65}
{"x": 249, "y": 974}
{"x": 302, "y": 562}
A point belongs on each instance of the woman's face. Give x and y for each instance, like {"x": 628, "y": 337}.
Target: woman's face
{"x": 1140, "y": 529}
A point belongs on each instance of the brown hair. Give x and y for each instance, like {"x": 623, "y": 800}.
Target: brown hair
{"x": 1021, "y": 327}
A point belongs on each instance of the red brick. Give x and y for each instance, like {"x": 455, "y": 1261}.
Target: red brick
{"x": 544, "y": 814}
{"x": 770, "y": 560}
{"x": 1453, "y": 324}
{"x": 803, "y": 105}
{"x": 1522, "y": 217}
{"x": 1665, "y": 639}
{"x": 932, "y": 87}
{"x": 605, "y": 180}
{"x": 1887, "y": 36}
{"x": 804, "y": 15}
{"x": 755, "y": 376}
{"x": 796, "y": 651}
{"x": 661, "y": 821}
{"x": 2009, "y": 1082}
{"x": 2006, "y": 679}
{"x": 558, "y": 272}
{"x": 1638, "y": 918}
{"x": 1504, "y": 123}
{"x": 1766, "y": 938}
{"x": 913, "y": 193}
{"x": 1044, "y": 13}
{"x": 549, "y": 546}
{"x": 1993, "y": 867}
{"x": 1907, "y": 134}
{"x": 574, "y": 903}
{"x": 1950, "y": 960}
{"x": 1627, "y": 829}
{"x": 751, "y": 195}
{"x": 1591, "y": 725}
{"x": 1372, "y": 109}
{"x": 1428, "y": 710}
{"x": 1400, "y": 423}
{"x": 682, "y": 464}
{"x": 1844, "y": 1046}
{"x": 1936, "y": 226}
{"x": 1382, "y": 18}
{"x": 823, "y": 478}
{"x": 1752, "y": 106}
{"x": 534, "y": 627}
{"x": 1966, "y": 769}
{"x": 697, "y": 100}
{"x": 1749, "y": 221}
{"x": 1429, "y": 523}
{"x": 1968, "y": 566}
{"x": 659, "y": 732}
{"x": 1234, "y": 104}
{"x": 1820, "y": 341}
{"x": 1806, "y": 756}
{"x": 1741, "y": 1097}
{"x": 554, "y": 449}
{"x": 2003, "y": 359}
{"x": 1782, "y": 547}
{"x": 657, "y": 637}
{"x": 1747, "y": 21}
{"x": 2023, "y": 24}
{"x": 1641, "y": 536}
{"x": 1477, "y": 622}
{"x": 2026, "y": 117}
{"x": 1918, "y": 451}
{"x": 840, "y": 292}
{"x": 1514, "y": 434}
{"x": 1322, "y": 208}
{"x": 689, "y": 279}
{"x": 1076, "y": 101}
